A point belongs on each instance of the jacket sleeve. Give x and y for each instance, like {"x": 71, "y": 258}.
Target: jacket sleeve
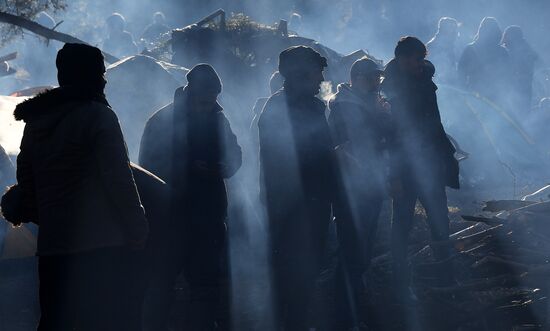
{"x": 232, "y": 154}
{"x": 337, "y": 124}
{"x": 465, "y": 65}
{"x": 112, "y": 159}
{"x": 26, "y": 183}
{"x": 153, "y": 150}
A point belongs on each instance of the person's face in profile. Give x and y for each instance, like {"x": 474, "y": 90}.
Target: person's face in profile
{"x": 310, "y": 81}
{"x": 412, "y": 64}
{"x": 366, "y": 83}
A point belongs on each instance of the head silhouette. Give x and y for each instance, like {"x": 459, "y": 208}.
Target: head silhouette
{"x": 302, "y": 68}
{"x": 489, "y": 31}
{"x": 81, "y": 66}
{"x": 365, "y": 75}
{"x": 512, "y": 36}
{"x": 447, "y": 28}
{"x": 410, "y": 53}
{"x": 204, "y": 85}
{"x": 158, "y": 18}
{"x": 116, "y": 23}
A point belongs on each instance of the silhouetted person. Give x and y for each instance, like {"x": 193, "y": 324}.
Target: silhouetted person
{"x": 422, "y": 159}
{"x": 275, "y": 84}
{"x": 482, "y": 68}
{"x": 75, "y": 182}
{"x": 360, "y": 123}
{"x": 522, "y": 64}
{"x": 156, "y": 28}
{"x": 442, "y": 50}
{"x": 192, "y": 147}
{"x": 295, "y": 23}
{"x": 120, "y": 42}
{"x": 298, "y": 181}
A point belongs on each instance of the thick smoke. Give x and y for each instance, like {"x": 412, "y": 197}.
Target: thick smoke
{"x": 506, "y": 158}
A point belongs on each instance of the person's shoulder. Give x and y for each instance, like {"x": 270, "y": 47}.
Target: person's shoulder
{"x": 274, "y": 101}
{"x": 469, "y": 48}
{"x": 162, "y": 115}
{"x": 273, "y": 109}
{"x": 127, "y": 35}
{"x": 96, "y": 109}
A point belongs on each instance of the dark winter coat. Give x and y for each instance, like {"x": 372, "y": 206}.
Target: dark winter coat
{"x": 174, "y": 140}
{"x": 75, "y": 176}
{"x": 362, "y": 131}
{"x": 485, "y": 69}
{"x": 298, "y": 170}
{"x": 421, "y": 144}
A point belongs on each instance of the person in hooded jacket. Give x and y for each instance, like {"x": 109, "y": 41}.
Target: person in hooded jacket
{"x": 483, "y": 66}
{"x": 298, "y": 183}
{"x": 192, "y": 147}
{"x": 523, "y": 61}
{"x": 422, "y": 159}
{"x": 360, "y": 123}
{"x": 442, "y": 50}
{"x": 75, "y": 181}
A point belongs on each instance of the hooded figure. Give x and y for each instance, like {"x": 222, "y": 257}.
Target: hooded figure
{"x": 120, "y": 42}
{"x": 442, "y": 50}
{"x": 298, "y": 179}
{"x": 483, "y": 65}
{"x": 154, "y": 30}
{"x": 192, "y": 147}
{"x": 522, "y": 60}
{"x": 422, "y": 157}
{"x": 360, "y": 123}
{"x": 75, "y": 182}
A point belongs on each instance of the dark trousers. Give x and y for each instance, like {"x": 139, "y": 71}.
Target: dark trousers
{"x": 296, "y": 263}
{"x": 357, "y": 223}
{"x": 201, "y": 254}
{"x": 433, "y": 197}
{"x": 96, "y": 290}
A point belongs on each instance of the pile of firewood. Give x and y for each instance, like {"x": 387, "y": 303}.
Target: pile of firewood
{"x": 502, "y": 271}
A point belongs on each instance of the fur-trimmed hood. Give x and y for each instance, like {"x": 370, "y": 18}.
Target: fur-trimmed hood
{"x": 50, "y": 102}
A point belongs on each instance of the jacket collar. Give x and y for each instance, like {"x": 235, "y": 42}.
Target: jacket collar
{"x": 49, "y": 102}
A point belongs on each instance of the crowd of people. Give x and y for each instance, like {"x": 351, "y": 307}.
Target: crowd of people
{"x": 499, "y": 66}
{"x": 115, "y": 236}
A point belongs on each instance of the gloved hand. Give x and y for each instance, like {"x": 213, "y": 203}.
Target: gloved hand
{"x": 12, "y": 205}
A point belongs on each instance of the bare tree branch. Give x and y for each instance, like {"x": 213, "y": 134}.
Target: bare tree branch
{"x": 46, "y": 32}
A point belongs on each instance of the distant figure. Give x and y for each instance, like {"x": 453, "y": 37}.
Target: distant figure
{"x": 76, "y": 183}
{"x": 298, "y": 172}
{"x": 192, "y": 147}
{"x": 275, "y": 84}
{"x": 442, "y": 50}
{"x": 7, "y": 171}
{"x": 483, "y": 66}
{"x": 295, "y": 23}
{"x": 155, "y": 29}
{"x": 38, "y": 54}
{"x": 422, "y": 161}
{"x": 120, "y": 42}
{"x": 522, "y": 64}
{"x": 360, "y": 122}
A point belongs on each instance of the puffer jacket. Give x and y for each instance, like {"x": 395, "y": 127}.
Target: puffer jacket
{"x": 75, "y": 176}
